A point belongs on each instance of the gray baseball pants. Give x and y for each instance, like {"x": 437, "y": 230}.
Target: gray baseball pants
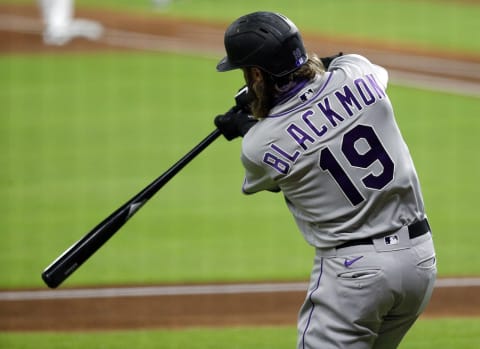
{"x": 367, "y": 296}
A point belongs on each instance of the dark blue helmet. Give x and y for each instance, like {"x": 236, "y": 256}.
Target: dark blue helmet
{"x": 266, "y": 40}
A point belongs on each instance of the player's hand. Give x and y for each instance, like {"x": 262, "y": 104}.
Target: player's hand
{"x": 234, "y": 123}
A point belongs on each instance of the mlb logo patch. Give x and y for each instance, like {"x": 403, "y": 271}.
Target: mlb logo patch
{"x": 392, "y": 240}
{"x": 306, "y": 96}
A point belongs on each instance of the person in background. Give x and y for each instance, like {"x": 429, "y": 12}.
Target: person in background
{"x": 60, "y": 25}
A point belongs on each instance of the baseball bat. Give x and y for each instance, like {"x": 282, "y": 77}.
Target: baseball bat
{"x": 70, "y": 260}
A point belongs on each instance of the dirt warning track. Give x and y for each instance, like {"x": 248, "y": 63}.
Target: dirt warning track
{"x": 179, "y": 306}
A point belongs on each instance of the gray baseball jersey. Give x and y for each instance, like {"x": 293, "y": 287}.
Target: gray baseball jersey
{"x": 332, "y": 146}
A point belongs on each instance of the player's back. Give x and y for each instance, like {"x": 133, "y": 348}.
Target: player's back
{"x": 336, "y": 152}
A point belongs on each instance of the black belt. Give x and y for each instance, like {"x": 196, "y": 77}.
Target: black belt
{"x": 414, "y": 231}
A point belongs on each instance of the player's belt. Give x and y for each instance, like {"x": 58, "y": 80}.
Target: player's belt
{"x": 414, "y": 231}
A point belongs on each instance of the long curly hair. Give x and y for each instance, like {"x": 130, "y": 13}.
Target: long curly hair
{"x": 263, "y": 93}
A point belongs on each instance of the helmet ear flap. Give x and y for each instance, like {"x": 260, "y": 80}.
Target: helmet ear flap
{"x": 266, "y": 40}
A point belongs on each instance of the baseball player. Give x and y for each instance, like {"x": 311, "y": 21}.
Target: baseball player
{"x": 60, "y": 26}
{"x": 323, "y": 132}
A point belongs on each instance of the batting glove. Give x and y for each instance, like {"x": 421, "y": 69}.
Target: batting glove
{"x": 234, "y": 123}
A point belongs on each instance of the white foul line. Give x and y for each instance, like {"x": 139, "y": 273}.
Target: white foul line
{"x": 184, "y": 290}
{"x": 143, "y": 291}
{"x": 435, "y": 83}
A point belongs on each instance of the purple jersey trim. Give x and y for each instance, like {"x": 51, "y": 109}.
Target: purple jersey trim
{"x": 303, "y": 104}
{"x": 310, "y": 298}
{"x": 289, "y": 94}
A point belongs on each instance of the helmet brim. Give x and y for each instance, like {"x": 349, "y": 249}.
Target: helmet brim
{"x": 225, "y": 65}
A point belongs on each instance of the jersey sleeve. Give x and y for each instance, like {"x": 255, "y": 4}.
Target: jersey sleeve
{"x": 256, "y": 178}
{"x": 357, "y": 65}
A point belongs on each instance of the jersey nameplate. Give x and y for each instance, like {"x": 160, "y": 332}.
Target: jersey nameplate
{"x": 316, "y": 122}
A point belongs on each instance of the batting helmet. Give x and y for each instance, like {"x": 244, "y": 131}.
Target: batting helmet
{"x": 267, "y": 40}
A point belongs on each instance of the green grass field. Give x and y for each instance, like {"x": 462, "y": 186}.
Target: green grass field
{"x": 427, "y": 334}
{"x": 82, "y": 133}
{"x": 81, "y": 136}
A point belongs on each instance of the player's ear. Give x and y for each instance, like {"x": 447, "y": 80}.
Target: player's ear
{"x": 256, "y": 75}
{"x": 252, "y": 75}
